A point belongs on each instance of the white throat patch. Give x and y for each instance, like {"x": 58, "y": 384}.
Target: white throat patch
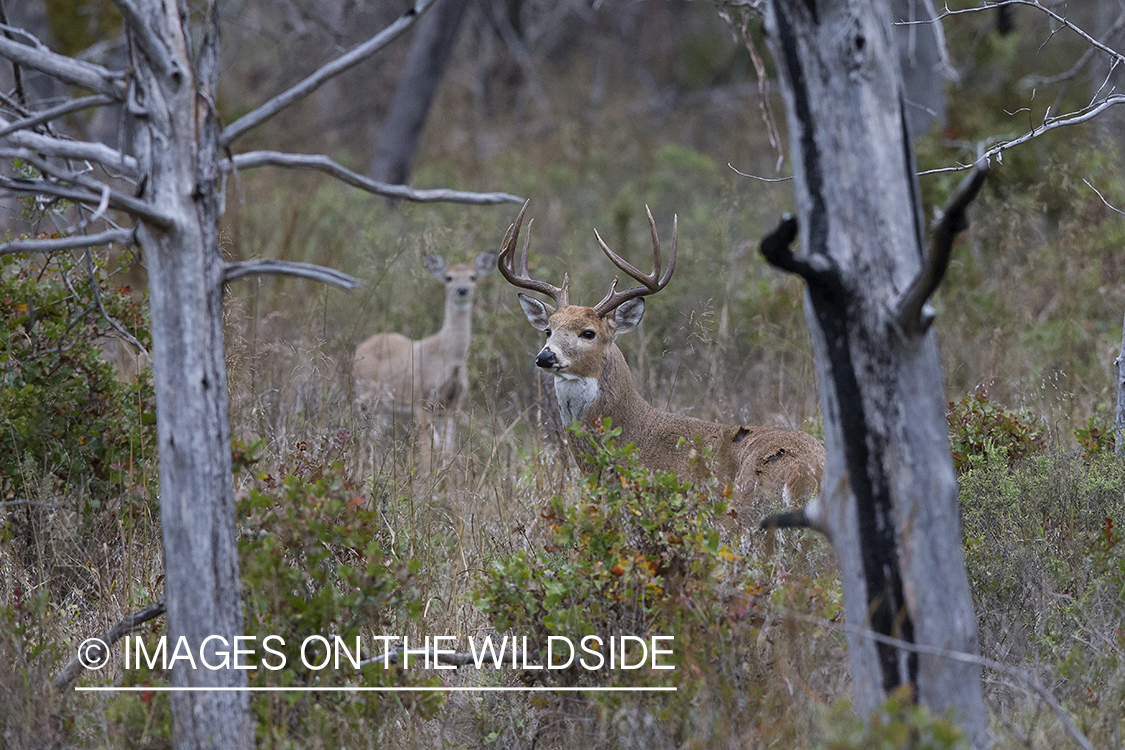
{"x": 574, "y": 395}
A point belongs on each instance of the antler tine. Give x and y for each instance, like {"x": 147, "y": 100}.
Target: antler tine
{"x": 506, "y": 262}
{"x": 614, "y": 298}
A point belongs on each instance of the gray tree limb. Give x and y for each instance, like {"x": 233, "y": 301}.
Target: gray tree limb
{"x": 310, "y": 84}
{"x": 83, "y": 74}
{"x": 62, "y": 148}
{"x": 73, "y": 669}
{"x": 76, "y": 105}
{"x": 244, "y": 268}
{"x": 137, "y": 208}
{"x": 910, "y": 311}
{"x": 322, "y": 163}
{"x": 55, "y": 244}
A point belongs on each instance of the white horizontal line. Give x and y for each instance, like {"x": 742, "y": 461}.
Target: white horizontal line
{"x": 364, "y": 689}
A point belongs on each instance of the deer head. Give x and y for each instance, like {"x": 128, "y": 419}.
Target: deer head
{"x": 460, "y": 279}
{"x": 577, "y": 336}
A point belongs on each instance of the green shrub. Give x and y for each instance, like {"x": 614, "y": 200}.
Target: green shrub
{"x": 899, "y": 724}
{"x": 315, "y": 562}
{"x": 66, "y": 423}
{"x": 1096, "y": 437}
{"x": 975, "y": 423}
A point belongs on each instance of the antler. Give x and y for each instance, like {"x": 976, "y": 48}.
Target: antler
{"x": 651, "y": 286}
{"x": 507, "y": 264}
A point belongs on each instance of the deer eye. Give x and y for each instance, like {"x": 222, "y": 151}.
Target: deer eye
{"x": 588, "y": 334}
{"x": 473, "y": 277}
{"x": 547, "y": 331}
{"x": 449, "y": 278}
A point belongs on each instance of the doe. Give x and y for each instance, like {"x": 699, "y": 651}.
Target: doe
{"x": 397, "y": 377}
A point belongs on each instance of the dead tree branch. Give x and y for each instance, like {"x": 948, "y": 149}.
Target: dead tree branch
{"x": 346, "y": 61}
{"x": 322, "y": 163}
{"x": 74, "y": 668}
{"x": 82, "y": 74}
{"x": 911, "y": 312}
{"x": 1049, "y": 123}
{"x": 137, "y": 208}
{"x": 50, "y": 146}
{"x": 55, "y": 244}
{"x": 76, "y": 105}
{"x": 243, "y": 268}
{"x": 816, "y": 269}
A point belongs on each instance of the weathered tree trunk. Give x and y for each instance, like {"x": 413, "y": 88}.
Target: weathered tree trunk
{"x": 425, "y": 64}
{"x": 889, "y": 496}
{"x": 177, "y": 141}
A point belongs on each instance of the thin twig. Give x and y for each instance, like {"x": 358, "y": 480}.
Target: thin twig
{"x": 75, "y": 105}
{"x": 1107, "y": 203}
{"x": 322, "y": 163}
{"x": 1081, "y": 116}
{"x": 760, "y": 179}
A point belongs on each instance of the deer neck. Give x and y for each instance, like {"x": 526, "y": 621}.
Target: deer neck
{"x": 457, "y": 328}
{"x": 589, "y": 400}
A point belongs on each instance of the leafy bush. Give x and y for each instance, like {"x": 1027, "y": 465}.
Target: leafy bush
{"x": 1096, "y": 438}
{"x": 975, "y": 422}
{"x": 66, "y": 423}
{"x": 899, "y": 724}
{"x": 314, "y": 563}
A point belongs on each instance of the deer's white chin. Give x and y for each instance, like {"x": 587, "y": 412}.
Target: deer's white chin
{"x": 574, "y": 395}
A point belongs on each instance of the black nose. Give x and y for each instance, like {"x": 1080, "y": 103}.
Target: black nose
{"x": 462, "y": 291}
{"x": 546, "y": 359}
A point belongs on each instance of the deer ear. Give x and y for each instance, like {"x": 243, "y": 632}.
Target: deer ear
{"x": 435, "y": 264}
{"x": 484, "y": 263}
{"x": 537, "y": 312}
{"x": 627, "y": 316}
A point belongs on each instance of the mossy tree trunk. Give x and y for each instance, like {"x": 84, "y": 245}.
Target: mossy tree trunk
{"x": 889, "y": 497}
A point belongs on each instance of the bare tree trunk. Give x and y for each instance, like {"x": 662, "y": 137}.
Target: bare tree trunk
{"x": 889, "y": 497}
{"x": 425, "y": 64}
{"x": 922, "y": 60}
{"x": 178, "y": 151}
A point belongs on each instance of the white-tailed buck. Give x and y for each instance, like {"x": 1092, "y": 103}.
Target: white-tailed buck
{"x": 401, "y": 379}
{"x": 593, "y": 382}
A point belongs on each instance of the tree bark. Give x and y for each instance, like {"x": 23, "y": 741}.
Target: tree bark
{"x": 425, "y": 64}
{"x": 177, "y": 142}
{"x": 889, "y": 496}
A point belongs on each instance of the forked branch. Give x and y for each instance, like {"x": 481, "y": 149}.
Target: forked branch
{"x": 912, "y": 313}
{"x": 650, "y": 282}
{"x": 68, "y": 70}
{"x": 506, "y": 262}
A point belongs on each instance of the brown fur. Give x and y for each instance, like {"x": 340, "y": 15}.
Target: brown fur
{"x": 766, "y": 465}
{"x": 392, "y": 372}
